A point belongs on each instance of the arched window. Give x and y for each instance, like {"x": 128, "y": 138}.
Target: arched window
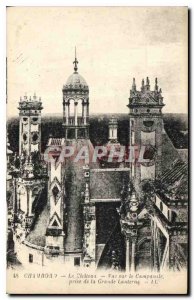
{"x": 79, "y": 108}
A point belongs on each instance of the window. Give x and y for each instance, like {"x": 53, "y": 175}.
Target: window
{"x": 24, "y": 137}
{"x": 77, "y": 261}
{"x": 35, "y": 137}
{"x": 148, "y": 110}
{"x": 169, "y": 216}
{"x": 148, "y": 123}
{"x": 30, "y": 258}
{"x": 161, "y": 206}
{"x": 149, "y": 153}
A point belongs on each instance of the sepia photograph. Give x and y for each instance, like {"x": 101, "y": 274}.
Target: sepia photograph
{"x": 97, "y": 150}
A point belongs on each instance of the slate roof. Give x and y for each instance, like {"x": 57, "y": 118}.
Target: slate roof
{"x": 169, "y": 152}
{"x": 38, "y": 235}
{"x": 107, "y": 184}
{"x": 183, "y": 153}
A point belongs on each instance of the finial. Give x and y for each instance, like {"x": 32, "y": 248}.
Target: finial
{"x": 75, "y": 62}
{"x": 147, "y": 84}
{"x": 156, "y": 84}
{"x": 134, "y": 85}
{"x": 142, "y": 82}
{"x": 34, "y": 97}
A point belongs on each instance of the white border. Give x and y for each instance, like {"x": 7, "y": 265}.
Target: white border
{"x": 3, "y": 4}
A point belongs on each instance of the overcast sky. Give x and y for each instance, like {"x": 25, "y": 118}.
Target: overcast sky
{"x": 113, "y": 46}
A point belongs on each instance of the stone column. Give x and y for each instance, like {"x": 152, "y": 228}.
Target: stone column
{"x": 110, "y": 135}
{"x": 152, "y": 244}
{"x": 156, "y": 263}
{"x": 30, "y": 202}
{"x": 84, "y": 113}
{"x": 75, "y": 112}
{"x": 67, "y": 113}
{"x": 133, "y": 254}
{"x": 115, "y": 133}
{"x": 27, "y": 194}
{"x": 127, "y": 268}
{"x": 20, "y": 137}
{"x": 29, "y": 136}
{"x": 87, "y": 107}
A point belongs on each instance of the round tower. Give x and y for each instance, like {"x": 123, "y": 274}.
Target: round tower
{"x": 76, "y": 105}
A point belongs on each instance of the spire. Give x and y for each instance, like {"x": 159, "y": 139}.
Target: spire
{"x": 75, "y": 62}
{"x": 133, "y": 85}
{"x": 147, "y": 83}
{"x": 156, "y": 84}
{"x": 142, "y": 85}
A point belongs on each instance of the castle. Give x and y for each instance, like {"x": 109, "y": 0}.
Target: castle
{"x": 114, "y": 212}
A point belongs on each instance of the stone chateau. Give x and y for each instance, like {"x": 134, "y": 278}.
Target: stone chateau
{"x": 114, "y": 214}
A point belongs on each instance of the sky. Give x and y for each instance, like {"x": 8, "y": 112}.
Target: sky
{"x": 114, "y": 44}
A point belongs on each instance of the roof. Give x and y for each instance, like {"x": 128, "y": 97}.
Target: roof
{"x": 183, "y": 153}
{"x": 75, "y": 81}
{"x": 107, "y": 183}
{"x": 38, "y": 235}
{"x": 145, "y": 95}
{"x": 169, "y": 152}
{"x": 176, "y": 181}
{"x": 75, "y": 186}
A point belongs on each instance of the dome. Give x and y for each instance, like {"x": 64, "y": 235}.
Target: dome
{"x": 76, "y": 81}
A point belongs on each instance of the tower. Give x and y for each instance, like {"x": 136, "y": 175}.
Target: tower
{"x": 146, "y": 125}
{"x": 30, "y": 125}
{"x": 28, "y": 185}
{"x": 76, "y": 105}
{"x": 112, "y": 130}
{"x": 64, "y": 233}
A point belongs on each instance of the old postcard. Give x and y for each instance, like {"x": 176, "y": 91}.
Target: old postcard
{"x": 97, "y": 150}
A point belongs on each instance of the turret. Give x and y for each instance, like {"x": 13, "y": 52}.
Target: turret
{"x": 30, "y": 125}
